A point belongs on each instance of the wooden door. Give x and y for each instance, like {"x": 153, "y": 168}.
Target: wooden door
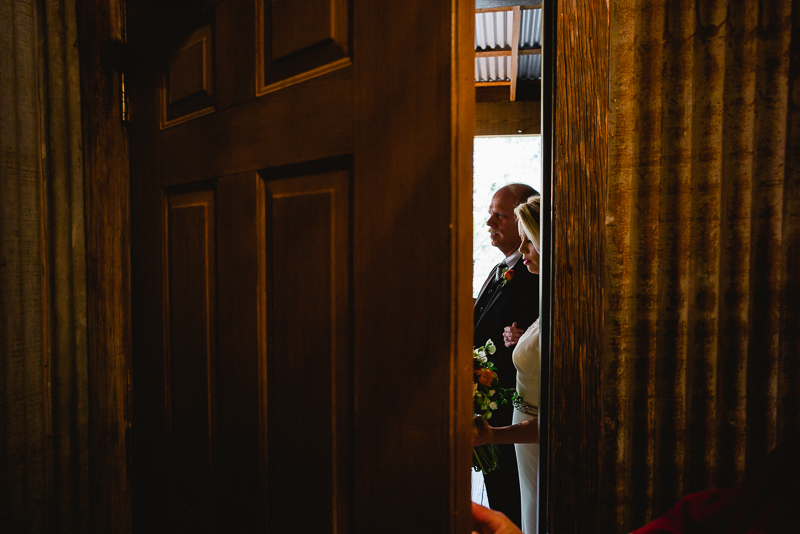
{"x": 300, "y": 197}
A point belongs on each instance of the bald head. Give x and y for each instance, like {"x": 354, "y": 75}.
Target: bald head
{"x": 502, "y": 222}
{"x": 519, "y": 193}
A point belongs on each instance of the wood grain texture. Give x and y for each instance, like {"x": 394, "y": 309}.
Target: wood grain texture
{"x": 578, "y": 259}
{"x": 191, "y": 353}
{"x": 298, "y": 41}
{"x": 407, "y": 156}
{"x": 412, "y": 180}
{"x": 108, "y": 266}
{"x": 148, "y": 454}
{"x": 308, "y": 343}
{"x": 462, "y": 120}
{"x": 241, "y": 278}
{"x": 189, "y": 76}
{"x": 235, "y": 49}
{"x": 314, "y": 119}
{"x": 508, "y": 118}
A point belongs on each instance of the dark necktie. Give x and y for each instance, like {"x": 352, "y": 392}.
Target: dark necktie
{"x": 501, "y": 269}
{"x": 494, "y": 284}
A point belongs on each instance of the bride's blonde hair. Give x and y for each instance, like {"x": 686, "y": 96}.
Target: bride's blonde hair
{"x": 528, "y": 214}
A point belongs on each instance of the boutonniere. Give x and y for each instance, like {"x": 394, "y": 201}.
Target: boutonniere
{"x": 508, "y": 274}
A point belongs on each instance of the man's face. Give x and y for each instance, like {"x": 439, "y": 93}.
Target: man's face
{"x": 502, "y": 223}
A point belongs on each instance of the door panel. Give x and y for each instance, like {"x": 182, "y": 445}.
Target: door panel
{"x": 189, "y": 78}
{"x": 312, "y": 121}
{"x": 300, "y": 40}
{"x": 309, "y": 367}
{"x": 190, "y": 395}
{"x": 279, "y": 305}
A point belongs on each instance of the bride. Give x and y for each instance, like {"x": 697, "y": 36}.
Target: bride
{"x": 524, "y": 430}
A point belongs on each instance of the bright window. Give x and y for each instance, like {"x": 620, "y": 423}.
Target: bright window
{"x": 498, "y": 161}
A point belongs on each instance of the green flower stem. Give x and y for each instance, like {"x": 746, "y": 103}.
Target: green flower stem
{"x": 485, "y": 458}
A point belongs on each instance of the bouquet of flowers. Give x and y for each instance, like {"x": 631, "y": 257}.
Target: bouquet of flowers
{"x": 486, "y": 397}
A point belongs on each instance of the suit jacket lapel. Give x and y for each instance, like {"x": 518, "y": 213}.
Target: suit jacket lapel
{"x": 488, "y": 306}
{"x": 493, "y": 299}
{"x": 486, "y": 284}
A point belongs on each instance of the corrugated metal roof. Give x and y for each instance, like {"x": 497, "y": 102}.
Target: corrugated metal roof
{"x": 492, "y": 69}
{"x": 530, "y": 31}
{"x": 493, "y": 31}
{"x": 530, "y": 67}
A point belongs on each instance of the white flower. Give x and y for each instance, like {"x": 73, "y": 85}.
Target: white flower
{"x": 490, "y": 347}
{"x": 493, "y": 405}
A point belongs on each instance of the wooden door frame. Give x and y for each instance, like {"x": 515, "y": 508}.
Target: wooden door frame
{"x": 579, "y": 162}
{"x": 577, "y": 95}
{"x": 106, "y": 173}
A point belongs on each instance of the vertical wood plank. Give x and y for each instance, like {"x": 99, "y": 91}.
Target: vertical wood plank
{"x": 108, "y": 265}
{"x": 148, "y": 454}
{"x": 392, "y": 190}
{"x": 463, "y": 130}
{"x": 514, "y": 70}
{"x": 580, "y": 174}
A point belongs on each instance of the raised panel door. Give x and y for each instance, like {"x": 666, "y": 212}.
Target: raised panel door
{"x": 281, "y": 191}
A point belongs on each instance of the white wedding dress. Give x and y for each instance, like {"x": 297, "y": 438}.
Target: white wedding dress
{"x": 527, "y": 361}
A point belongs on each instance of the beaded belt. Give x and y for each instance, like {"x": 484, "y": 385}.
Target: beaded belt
{"x": 524, "y": 407}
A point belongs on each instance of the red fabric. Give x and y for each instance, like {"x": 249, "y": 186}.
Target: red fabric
{"x": 767, "y": 503}
{"x": 690, "y": 513}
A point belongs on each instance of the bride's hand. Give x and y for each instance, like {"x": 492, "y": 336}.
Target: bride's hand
{"x": 483, "y": 431}
{"x": 511, "y": 334}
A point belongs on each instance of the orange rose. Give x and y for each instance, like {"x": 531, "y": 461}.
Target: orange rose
{"x": 509, "y": 274}
{"x": 486, "y": 376}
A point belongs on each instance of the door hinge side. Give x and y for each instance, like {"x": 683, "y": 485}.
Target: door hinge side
{"x": 121, "y": 62}
{"x": 124, "y": 104}
{"x": 124, "y": 65}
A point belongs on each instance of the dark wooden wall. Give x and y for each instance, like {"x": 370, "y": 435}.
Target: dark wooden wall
{"x": 521, "y": 117}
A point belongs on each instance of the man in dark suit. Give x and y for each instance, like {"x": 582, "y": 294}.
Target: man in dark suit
{"x": 509, "y": 295}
